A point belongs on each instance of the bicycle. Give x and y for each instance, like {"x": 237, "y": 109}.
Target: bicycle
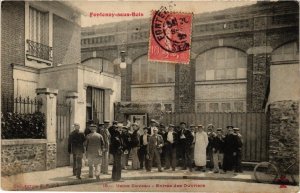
{"x": 266, "y": 172}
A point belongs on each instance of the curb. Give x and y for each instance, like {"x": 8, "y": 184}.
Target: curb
{"x": 87, "y": 180}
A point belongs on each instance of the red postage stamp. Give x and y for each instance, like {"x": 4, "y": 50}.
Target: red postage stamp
{"x": 170, "y": 36}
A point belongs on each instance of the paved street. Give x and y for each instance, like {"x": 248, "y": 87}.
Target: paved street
{"x": 177, "y": 186}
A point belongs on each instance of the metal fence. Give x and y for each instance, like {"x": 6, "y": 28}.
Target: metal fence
{"x": 21, "y": 105}
{"x": 252, "y": 125}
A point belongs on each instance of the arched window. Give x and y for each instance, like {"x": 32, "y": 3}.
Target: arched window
{"x": 221, "y": 63}
{"x": 154, "y": 72}
{"x": 221, "y": 83}
{"x": 286, "y": 52}
{"x": 100, "y": 64}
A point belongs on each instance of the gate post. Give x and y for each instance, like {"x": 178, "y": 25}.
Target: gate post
{"x": 72, "y": 99}
{"x": 48, "y": 96}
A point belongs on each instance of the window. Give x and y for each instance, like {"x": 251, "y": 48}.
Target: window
{"x": 201, "y": 107}
{"x": 239, "y": 106}
{"x": 221, "y": 64}
{"x": 95, "y": 105}
{"x": 38, "y": 26}
{"x": 168, "y": 107}
{"x": 225, "y": 107}
{"x": 213, "y": 107}
{"x": 286, "y": 52}
{"x": 146, "y": 72}
{"x": 100, "y": 64}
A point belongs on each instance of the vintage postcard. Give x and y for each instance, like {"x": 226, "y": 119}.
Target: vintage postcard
{"x": 150, "y": 96}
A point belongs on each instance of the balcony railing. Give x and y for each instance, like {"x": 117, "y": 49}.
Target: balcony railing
{"x": 39, "y": 51}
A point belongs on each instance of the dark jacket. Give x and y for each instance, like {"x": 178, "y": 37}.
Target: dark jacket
{"x": 117, "y": 144}
{"x": 230, "y": 143}
{"x": 187, "y": 142}
{"x": 218, "y": 143}
{"x": 75, "y": 142}
{"x": 141, "y": 140}
{"x": 135, "y": 139}
{"x": 126, "y": 136}
{"x": 175, "y": 139}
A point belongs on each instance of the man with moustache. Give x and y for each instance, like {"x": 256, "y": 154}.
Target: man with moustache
{"x": 144, "y": 140}
{"x": 185, "y": 143}
{"x": 170, "y": 139}
{"x": 154, "y": 149}
{"x": 117, "y": 149}
{"x": 106, "y": 137}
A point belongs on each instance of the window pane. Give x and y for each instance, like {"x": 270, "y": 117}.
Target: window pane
{"x": 170, "y": 72}
{"x": 162, "y": 72}
{"x": 213, "y": 107}
{"x": 168, "y": 107}
{"x": 238, "y": 106}
{"x": 152, "y": 72}
{"x": 225, "y": 107}
{"x": 201, "y": 107}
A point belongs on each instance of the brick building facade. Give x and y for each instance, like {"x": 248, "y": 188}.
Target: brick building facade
{"x": 229, "y": 70}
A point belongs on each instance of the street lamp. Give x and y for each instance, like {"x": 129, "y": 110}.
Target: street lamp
{"x": 123, "y": 61}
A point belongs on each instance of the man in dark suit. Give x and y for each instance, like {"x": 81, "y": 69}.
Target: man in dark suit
{"x": 230, "y": 149}
{"x": 117, "y": 149}
{"x": 142, "y": 152}
{"x": 154, "y": 149}
{"x": 186, "y": 144}
{"x": 170, "y": 139}
{"x": 75, "y": 146}
{"x": 238, "y": 157}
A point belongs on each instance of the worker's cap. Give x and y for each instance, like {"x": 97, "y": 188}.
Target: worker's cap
{"x": 236, "y": 129}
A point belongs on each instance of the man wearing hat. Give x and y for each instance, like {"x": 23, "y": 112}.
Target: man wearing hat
{"x": 75, "y": 146}
{"x": 154, "y": 149}
{"x": 193, "y": 131}
{"x": 106, "y": 137}
{"x": 144, "y": 140}
{"x": 135, "y": 144}
{"x": 94, "y": 151}
{"x": 170, "y": 139}
{"x": 230, "y": 149}
{"x": 117, "y": 149}
{"x": 201, "y": 142}
{"x": 185, "y": 143}
{"x": 238, "y": 156}
{"x": 112, "y": 129}
{"x": 218, "y": 149}
{"x": 153, "y": 125}
{"x": 126, "y": 136}
{"x": 211, "y": 134}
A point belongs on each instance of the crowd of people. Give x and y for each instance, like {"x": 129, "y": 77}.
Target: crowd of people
{"x": 165, "y": 147}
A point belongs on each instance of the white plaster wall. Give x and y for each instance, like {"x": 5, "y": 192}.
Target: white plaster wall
{"x": 284, "y": 82}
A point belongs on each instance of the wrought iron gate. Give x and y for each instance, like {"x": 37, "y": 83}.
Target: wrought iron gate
{"x": 63, "y": 125}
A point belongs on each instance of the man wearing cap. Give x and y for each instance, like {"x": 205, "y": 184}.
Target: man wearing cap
{"x": 238, "y": 157}
{"x": 94, "y": 151}
{"x": 135, "y": 144}
{"x": 211, "y": 134}
{"x": 75, "y": 146}
{"x": 112, "y": 129}
{"x": 170, "y": 139}
{"x": 193, "y": 131}
{"x": 144, "y": 140}
{"x": 106, "y": 137}
{"x": 185, "y": 143}
{"x": 154, "y": 149}
{"x": 117, "y": 149}
{"x": 217, "y": 149}
{"x": 126, "y": 136}
{"x": 230, "y": 149}
{"x": 201, "y": 142}
{"x": 153, "y": 125}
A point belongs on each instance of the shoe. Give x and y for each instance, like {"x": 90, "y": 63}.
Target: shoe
{"x": 191, "y": 169}
{"x": 173, "y": 169}
{"x": 159, "y": 170}
{"x": 148, "y": 170}
{"x": 90, "y": 176}
{"x": 78, "y": 177}
{"x": 74, "y": 174}
{"x": 166, "y": 168}
{"x": 184, "y": 168}
{"x": 216, "y": 171}
{"x": 98, "y": 178}
{"x": 223, "y": 172}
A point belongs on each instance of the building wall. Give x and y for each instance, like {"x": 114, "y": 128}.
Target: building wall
{"x": 12, "y": 42}
{"x": 66, "y": 42}
{"x": 253, "y": 31}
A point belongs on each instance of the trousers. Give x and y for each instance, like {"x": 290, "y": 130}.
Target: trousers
{"x": 217, "y": 158}
{"x": 77, "y": 164}
{"x": 117, "y": 166}
{"x": 105, "y": 160}
{"x": 154, "y": 155}
{"x": 94, "y": 165}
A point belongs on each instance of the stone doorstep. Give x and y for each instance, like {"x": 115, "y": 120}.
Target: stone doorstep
{"x": 87, "y": 180}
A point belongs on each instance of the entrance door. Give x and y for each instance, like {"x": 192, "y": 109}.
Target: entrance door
{"x": 95, "y": 105}
{"x": 141, "y": 120}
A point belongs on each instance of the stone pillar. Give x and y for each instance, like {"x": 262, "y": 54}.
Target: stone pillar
{"x": 72, "y": 99}
{"x": 184, "y": 88}
{"x": 49, "y": 98}
{"x": 258, "y": 65}
{"x": 284, "y": 133}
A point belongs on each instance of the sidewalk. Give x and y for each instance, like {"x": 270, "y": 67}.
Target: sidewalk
{"x": 63, "y": 176}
